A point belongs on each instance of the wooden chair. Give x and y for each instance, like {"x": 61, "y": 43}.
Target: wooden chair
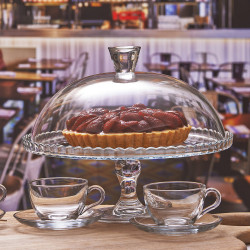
{"x": 227, "y": 103}
{"x": 77, "y": 70}
{"x": 81, "y": 65}
{"x": 224, "y": 103}
{"x": 241, "y": 185}
{"x": 187, "y": 66}
{"x": 208, "y": 161}
{"x": 207, "y": 58}
{"x": 6, "y": 115}
{"x": 165, "y": 58}
{"x": 236, "y": 69}
{"x": 184, "y": 75}
{"x": 11, "y": 91}
{"x": 2, "y": 63}
{"x": 20, "y": 166}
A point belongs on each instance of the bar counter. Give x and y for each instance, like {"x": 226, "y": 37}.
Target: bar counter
{"x": 234, "y": 235}
{"x": 228, "y": 45}
{"x": 147, "y": 33}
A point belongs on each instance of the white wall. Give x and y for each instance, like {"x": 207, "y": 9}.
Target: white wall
{"x": 99, "y": 58}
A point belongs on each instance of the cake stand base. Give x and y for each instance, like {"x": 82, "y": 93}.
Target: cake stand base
{"x": 109, "y": 217}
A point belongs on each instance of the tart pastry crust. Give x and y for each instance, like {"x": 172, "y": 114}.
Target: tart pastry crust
{"x": 125, "y": 140}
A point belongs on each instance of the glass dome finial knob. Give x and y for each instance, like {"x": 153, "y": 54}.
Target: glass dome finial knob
{"x": 125, "y": 59}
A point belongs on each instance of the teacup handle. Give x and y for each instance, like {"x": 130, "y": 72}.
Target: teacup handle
{"x": 4, "y": 192}
{"x": 214, "y": 205}
{"x": 102, "y": 192}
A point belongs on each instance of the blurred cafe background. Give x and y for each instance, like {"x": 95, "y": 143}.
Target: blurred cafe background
{"x": 46, "y": 44}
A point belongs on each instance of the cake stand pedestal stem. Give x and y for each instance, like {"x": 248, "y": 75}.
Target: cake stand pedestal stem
{"x": 128, "y": 206}
{"x": 127, "y": 173}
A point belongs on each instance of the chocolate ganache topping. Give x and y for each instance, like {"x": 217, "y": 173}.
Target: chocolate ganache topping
{"x": 137, "y": 118}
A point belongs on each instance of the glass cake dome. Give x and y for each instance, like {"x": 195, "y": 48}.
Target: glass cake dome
{"x": 125, "y": 88}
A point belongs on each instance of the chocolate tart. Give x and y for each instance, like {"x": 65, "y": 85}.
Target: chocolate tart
{"x": 135, "y": 126}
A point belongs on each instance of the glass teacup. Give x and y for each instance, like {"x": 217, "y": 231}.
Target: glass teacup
{"x": 61, "y": 198}
{"x": 178, "y": 203}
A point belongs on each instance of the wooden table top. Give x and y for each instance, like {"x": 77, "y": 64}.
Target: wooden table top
{"x": 230, "y": 119}
{"x": 28, "y": 76}
{"x": 14, "y": 235}
{"x": 44, "y": 64}
{"x": 231, "y": 83}
{"x": 10, "y": 90}
{"x": 245, "y": 94}
{"x": 174, "y": 67}
{"x": 239, "y": 87}
{"x": 235, "y": 120}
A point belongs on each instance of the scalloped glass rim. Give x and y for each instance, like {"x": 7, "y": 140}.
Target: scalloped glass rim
{"x": 200, "y": 141}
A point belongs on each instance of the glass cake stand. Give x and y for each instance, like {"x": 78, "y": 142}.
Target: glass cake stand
{"x": 125, "y": 88}
{"x": 127, "y": 162}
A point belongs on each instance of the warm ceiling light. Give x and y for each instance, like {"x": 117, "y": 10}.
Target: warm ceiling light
{"x": 95, "y": 4}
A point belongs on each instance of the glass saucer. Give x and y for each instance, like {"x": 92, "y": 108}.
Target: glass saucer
{"x": 2, "y": 213}
{"x": 206, "y": 223}
{"x": 29, "y": 217}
